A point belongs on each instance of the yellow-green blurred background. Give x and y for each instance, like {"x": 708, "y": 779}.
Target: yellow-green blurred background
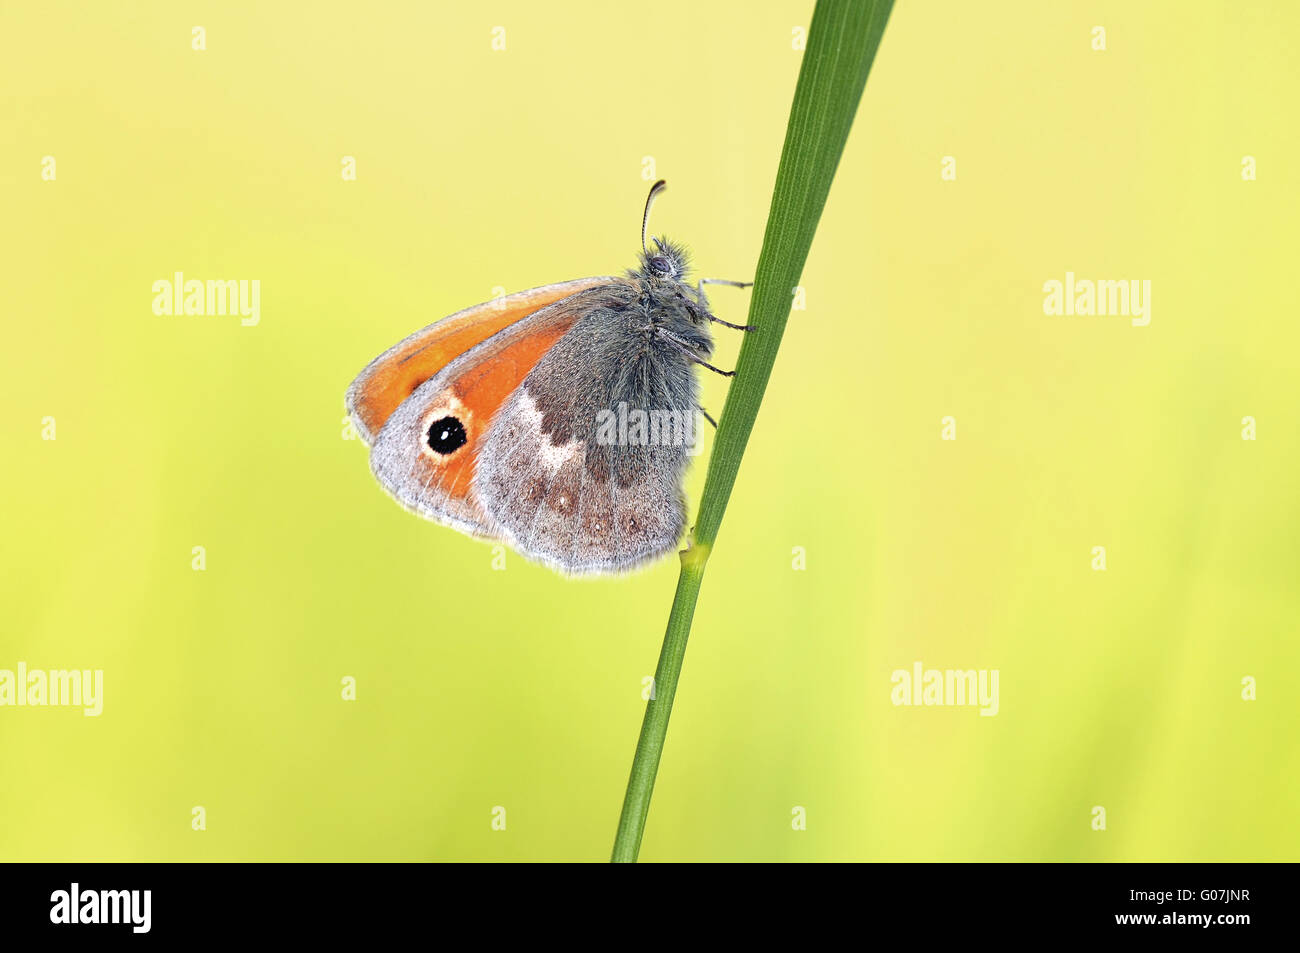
{"x": 478, "y": 688}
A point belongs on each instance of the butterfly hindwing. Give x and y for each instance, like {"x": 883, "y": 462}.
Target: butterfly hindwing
{"x": 566, "y": 494}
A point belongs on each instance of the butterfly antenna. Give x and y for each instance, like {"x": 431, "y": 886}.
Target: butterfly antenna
{"x": 650, "y": 200}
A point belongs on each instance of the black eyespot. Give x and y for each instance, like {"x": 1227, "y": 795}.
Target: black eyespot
{"x": 446, "y": 435}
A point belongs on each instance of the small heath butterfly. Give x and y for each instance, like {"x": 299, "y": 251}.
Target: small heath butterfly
{"x": 557, "y": 420}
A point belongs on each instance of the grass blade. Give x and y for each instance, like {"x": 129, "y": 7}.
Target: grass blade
{"x": 842, "y": 43}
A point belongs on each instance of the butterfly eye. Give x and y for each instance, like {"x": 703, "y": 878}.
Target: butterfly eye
{"x": 659, "y": 264}
{"x": 446, "y": 435}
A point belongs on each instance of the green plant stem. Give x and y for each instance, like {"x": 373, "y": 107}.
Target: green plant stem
{"x": 842, "y": 43}
{"x": 654, "y": 727}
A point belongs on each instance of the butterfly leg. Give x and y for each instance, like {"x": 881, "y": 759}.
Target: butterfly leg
{"x": 699, "y": 288}
{"x": 708, "y": 418}
{"x": 724, "y": 281}
{"x": 678, "y": 343}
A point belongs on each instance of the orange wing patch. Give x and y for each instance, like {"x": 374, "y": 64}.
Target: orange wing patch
{"x": 393, "y": 376}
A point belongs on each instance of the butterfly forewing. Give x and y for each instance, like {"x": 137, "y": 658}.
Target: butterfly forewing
{"x": 425, "y": 453}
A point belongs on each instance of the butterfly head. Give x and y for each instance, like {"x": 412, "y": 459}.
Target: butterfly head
{"x": 665, "y": 262}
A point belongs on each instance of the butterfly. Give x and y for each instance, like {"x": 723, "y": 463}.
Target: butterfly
{"x": 557, "y": 420}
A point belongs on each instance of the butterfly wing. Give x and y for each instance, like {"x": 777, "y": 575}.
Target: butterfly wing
{"x": 557, "y": 482}
{"x": 425, "y": 451}
{"x": 394, "y": 375}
